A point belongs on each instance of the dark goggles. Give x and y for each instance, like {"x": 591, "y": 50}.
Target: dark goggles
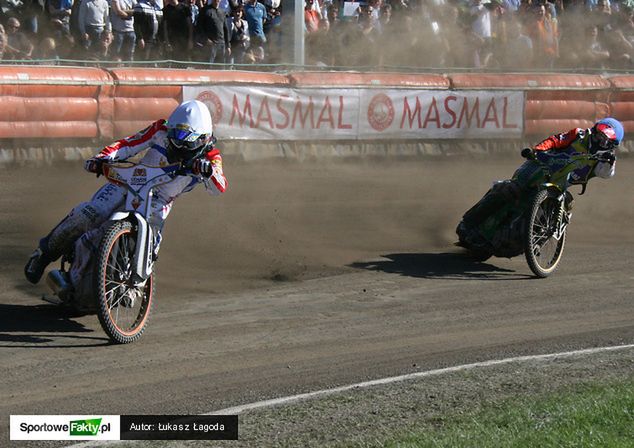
{"x": 179, "y": 139}
{"x": 605, "y": 136}
{"x": 184, "y": 145}
{"x": 603, "y": 141}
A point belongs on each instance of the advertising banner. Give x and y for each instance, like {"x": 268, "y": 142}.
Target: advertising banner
{"x": 270, "y": 113}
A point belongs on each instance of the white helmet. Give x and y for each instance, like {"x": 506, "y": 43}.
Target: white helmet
{"x": 189, "y": 131}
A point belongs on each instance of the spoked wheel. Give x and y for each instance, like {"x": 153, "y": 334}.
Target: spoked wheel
{"x": 543, "y": 245}
{"x": 124, "y": 307}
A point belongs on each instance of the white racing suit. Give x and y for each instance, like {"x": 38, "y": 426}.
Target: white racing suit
{"x": 82, "y": 226}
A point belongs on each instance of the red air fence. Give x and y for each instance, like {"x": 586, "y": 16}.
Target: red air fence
{"x": 91, "y": 103}
{"x": 45, "y": 102}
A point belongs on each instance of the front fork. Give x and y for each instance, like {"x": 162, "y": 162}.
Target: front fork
{"x": 564, "y": 215}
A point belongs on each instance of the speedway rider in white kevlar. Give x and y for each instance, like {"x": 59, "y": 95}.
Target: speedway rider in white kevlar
{"x": 186, "y": 137}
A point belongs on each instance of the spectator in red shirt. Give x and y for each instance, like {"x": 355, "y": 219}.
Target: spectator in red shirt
{"x": 311, "y": 17}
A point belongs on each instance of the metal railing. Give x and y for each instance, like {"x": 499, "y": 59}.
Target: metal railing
{"x": 288, "y": 67}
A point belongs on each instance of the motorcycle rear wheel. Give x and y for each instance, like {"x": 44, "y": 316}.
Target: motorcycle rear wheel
{"x": 542, "y": 250}
{"x": 123, "y": 309}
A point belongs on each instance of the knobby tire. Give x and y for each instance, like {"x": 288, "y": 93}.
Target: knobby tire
{"x": 114, "y": 233}
{"x": 530, "y": 247}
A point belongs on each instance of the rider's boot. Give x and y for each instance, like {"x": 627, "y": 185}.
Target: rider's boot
{"x": 38, "y": 261}
{"x": 48, "y": 250}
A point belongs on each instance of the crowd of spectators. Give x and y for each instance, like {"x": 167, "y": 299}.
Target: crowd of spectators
{"x": 121, "y": 31}
{"x": 483, "y": 34}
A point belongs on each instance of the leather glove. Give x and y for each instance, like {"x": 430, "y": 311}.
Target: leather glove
{"x": 202, "y": 167}
{"x": 94, "y": 165}
{"x": 527, "y": 153}
{"x": 606, "y": 156}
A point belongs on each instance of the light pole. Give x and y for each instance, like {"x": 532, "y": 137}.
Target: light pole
{"x": 299, "y": 58}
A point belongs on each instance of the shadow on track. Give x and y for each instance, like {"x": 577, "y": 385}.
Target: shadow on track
{"x": 41, "y": 324}
{"x": 453, "y": 266}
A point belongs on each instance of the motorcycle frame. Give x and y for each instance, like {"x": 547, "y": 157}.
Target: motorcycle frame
{"x": 142, "y": 263}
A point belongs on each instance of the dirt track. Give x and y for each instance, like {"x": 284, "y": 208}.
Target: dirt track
{"x": 306, "y": 276}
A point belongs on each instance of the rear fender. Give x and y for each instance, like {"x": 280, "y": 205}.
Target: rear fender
{"x": 142, "y": 262}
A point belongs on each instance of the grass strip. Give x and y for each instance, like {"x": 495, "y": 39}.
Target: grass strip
{"x": 588, "y": 415}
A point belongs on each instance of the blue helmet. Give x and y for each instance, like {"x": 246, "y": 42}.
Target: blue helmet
{"x": 606, "y": 135}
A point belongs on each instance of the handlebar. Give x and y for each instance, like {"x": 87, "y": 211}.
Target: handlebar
{"x": 531, "y": 154}
{"x": 600, "y": 156}
{"x": 173, "y": 168}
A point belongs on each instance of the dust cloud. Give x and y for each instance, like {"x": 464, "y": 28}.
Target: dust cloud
{"x": 283, "y": 220}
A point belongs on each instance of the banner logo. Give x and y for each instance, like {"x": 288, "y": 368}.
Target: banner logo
{"x": 380, "y": 112}
{"x": 213, "y": 103}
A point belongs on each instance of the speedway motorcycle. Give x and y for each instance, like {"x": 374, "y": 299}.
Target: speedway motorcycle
{"x": 531, "y": 219}
{"x": 118, "y": 282}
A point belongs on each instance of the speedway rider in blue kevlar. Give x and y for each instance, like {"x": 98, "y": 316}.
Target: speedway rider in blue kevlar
{"x": 600, "y": 141}
{"x": 186, "y": 137}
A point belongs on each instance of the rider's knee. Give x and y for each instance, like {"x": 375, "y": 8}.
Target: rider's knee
{"x": 86, "y": 213}
{"x": 506, "y": 190}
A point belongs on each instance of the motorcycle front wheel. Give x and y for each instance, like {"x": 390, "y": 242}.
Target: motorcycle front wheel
{"x": 542, "y": 250}
{"x": 123, "y": 306}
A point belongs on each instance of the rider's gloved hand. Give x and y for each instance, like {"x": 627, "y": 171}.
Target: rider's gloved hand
{"x": 94, "y": 165}
{"x": 606, "y": 156}
{"x": 202, "y": 167}
{"x": 527, "y": 152}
